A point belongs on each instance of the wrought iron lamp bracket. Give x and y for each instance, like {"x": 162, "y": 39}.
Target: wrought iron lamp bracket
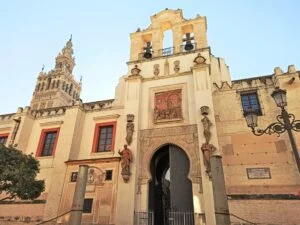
{"x": 277, "y": 127}
{"x": 296, "y": 125}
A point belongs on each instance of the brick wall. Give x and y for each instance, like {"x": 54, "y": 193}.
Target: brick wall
{"x": 281, "y": 212}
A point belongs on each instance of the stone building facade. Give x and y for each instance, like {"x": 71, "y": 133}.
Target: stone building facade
{"x": 174, "y": 108}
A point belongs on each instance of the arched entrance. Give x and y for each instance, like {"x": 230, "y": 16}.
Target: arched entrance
{"x": 170, "y": 190}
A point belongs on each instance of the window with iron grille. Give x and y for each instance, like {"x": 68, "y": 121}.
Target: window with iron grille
{"x": 108, "y": 174}
{"x": 73, "y": 177}
{"x": 250, "y": 102}
{"x": 87, "y": 205}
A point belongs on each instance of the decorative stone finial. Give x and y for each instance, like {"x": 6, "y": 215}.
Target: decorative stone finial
{"x": 130, "y": 117}
{"x": 291, "y": 69}
{"x": 278, "y": 71}
{"x": 199, "y": 59}
{"x": 204, "y": 110}
{"x": 135, "y": 71}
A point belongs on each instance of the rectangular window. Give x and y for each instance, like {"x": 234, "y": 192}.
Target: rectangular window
{"x": 48, "y": 141}
{"x": 74, "y": 176}
{"x": 87, "y": 205}
{"x": 250, "y": 102}
{"x": 3, "y": 138}
{"x": 104, "y": 137}
{"x": 108, "y": 174}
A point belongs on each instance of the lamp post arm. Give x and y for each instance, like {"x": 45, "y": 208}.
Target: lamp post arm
{"x": 277, "y": 127}
{"x": 289, "y": 127}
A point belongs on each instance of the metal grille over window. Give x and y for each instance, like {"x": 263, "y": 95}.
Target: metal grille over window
{"x": 108, "y": 174}
{"x": 49, "y": 143}
{"x": 87, "y": 205}
{"x": 250, "y": 102}
{"x": 105, "y": 139}
{"x": 74, "y": 176}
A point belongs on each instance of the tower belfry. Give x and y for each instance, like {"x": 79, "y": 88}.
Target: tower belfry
{"x": 57, "y": 87}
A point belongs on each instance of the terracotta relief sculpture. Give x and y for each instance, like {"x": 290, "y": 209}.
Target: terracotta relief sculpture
{"x": 126, "y": 155}
{"x": 168, "y": 105}
{"x": 91, "y": 176}
{"x": 129, "y": 128}
{"x": 95, "y": 176}
{"x": 207, "y": 148}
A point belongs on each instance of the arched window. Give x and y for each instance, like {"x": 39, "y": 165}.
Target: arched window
{"x": 53, "y": 84}
{"x": 43, "y": 85}
{"x": 48, "y": 83}
{"x": 63, "y": 86}
{"x": 70, "y": 90}
{"x": 38, "y": 87}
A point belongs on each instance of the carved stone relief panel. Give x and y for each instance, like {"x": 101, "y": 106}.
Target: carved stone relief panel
{"x": 156, "y": 70}
{"x": 176, "y": 66}
{"x": 185, "y": 137}
{"x": 167, "y": 105}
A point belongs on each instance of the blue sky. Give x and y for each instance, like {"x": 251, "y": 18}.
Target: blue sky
{"x": 252, "y": 36}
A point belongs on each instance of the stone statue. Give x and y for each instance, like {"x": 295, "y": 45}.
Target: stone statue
{"x": 129, "y": 128}
{"x": 206, "y": 128}
{"x": 207, "y": 150}
{"x": 126, "y": 155}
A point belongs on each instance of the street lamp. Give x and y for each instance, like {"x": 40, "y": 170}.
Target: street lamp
{"x": 285, "y": 122}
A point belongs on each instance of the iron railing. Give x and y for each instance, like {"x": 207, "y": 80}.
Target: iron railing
{"x": 169, "y": 51}
{"x": 143, "y": 218}
{"x": 166, "y": 51}
{"x": 171, "y": 218}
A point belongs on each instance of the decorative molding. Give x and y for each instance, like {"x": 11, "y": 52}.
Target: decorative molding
{"x": 53, "y": 123}
{"x": 97, "y": 160}
{"x": 106, "y": 117}
{"x": 4, "y": 129}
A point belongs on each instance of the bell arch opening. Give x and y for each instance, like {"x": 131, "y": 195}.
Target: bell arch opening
{"x": 170, "y": 190}
{"x": 168, "y": 44}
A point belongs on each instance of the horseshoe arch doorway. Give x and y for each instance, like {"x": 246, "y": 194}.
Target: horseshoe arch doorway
{"x": 170, "y": 190}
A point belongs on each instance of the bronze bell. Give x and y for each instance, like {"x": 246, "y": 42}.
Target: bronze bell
{"x": 188, "y": 46}
{"x": 148, "y": 53}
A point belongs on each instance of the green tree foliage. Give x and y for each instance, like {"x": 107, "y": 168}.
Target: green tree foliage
{"x": 18, "y": 175}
